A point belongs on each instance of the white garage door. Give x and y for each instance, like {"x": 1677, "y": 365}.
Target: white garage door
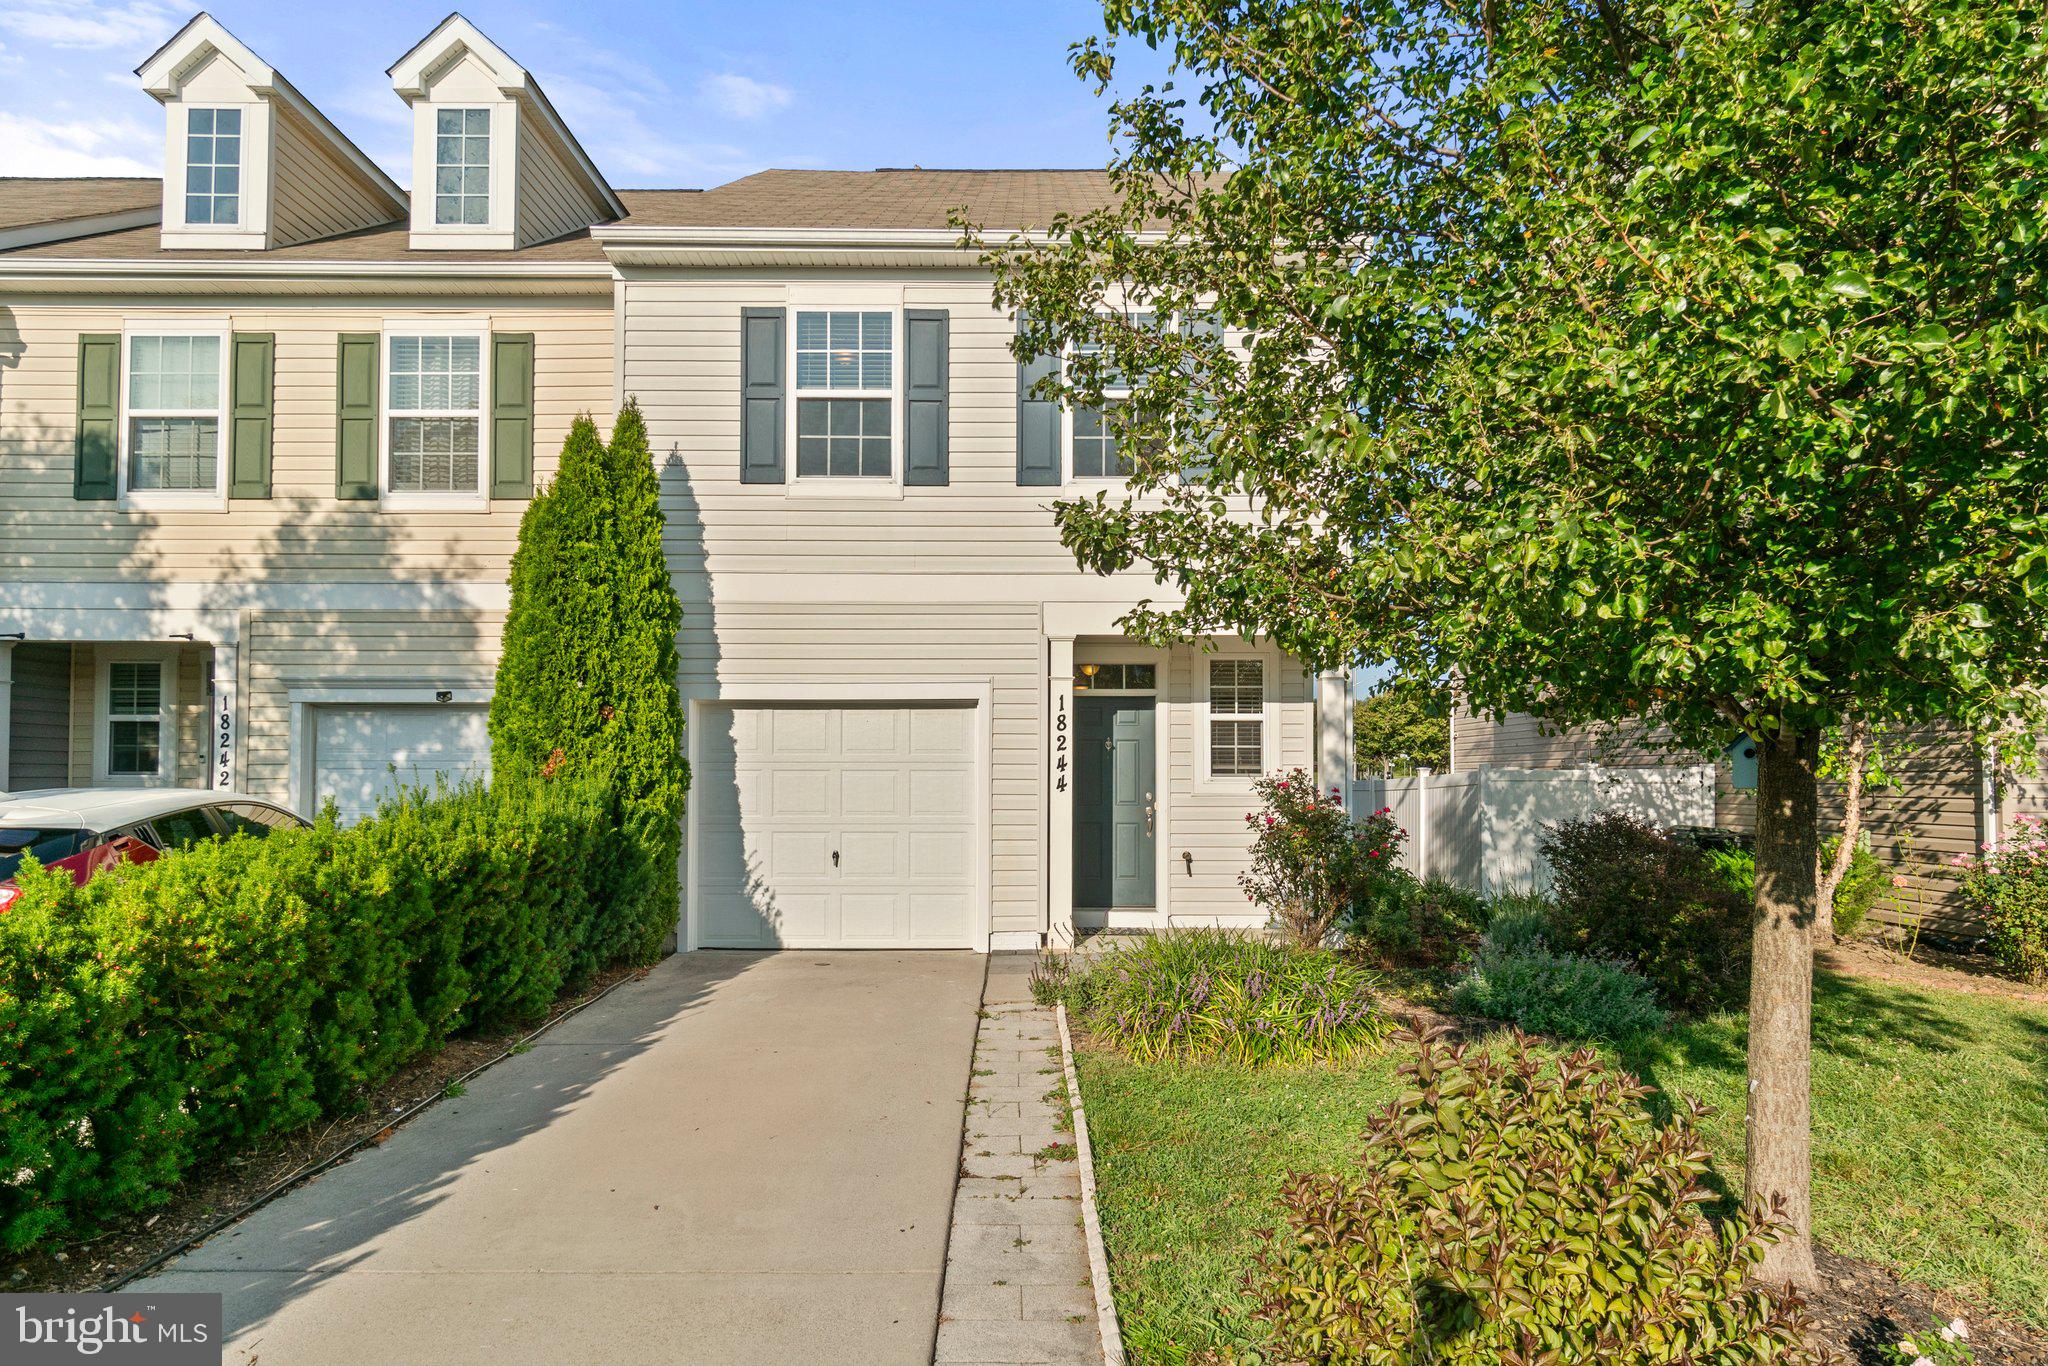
{"x": 362, "y": 754}
{"x": 836, "y": 827}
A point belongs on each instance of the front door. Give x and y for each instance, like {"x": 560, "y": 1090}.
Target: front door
{"x": 1116, "y": 790}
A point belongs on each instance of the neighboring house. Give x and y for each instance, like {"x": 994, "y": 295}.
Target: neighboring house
{"x": 1946, "y": 799}
{"x": 263, "y": 458}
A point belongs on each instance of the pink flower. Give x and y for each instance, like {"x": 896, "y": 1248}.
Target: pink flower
{"x": 1269, "y": 822}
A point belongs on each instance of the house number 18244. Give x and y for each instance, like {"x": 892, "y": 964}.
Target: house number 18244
{"x": 1059, "y": 744}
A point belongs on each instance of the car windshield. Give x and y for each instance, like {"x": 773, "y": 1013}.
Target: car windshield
{"x": 47, "y": 843}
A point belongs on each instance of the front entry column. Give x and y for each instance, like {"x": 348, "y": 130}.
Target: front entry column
{"x": 223, "y": 728}
{"x": 1059, "y": 787}
{"x": 6, "y": 706}
{"x": 1333, "y": 734}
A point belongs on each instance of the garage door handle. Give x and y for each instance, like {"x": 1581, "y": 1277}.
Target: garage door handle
{"x": 835, "y": 858}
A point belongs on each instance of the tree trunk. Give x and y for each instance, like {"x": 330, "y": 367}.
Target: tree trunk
{"x": 1855, "y": 752}
{"x": 1780, "y": 1147}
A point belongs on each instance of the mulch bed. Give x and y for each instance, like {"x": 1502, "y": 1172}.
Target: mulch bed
{"x": 1861, "y": 1309}
{"x": 1929, "y": 967}
{"x": 229, "y": 1187}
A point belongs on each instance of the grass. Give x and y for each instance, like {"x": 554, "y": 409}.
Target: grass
{"x": 1930, "y": 1151}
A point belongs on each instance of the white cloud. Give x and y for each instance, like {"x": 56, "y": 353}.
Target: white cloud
{"x": 138, "y": 25}
{"x": 89, "y": 146}
{"x": 742, "y": 97}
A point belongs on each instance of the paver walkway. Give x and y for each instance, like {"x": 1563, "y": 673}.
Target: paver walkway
{"x": 1017, "y": 1283}
{"x": 740, "y": 1158}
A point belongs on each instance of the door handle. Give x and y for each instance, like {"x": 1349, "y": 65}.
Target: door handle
{"x": 835, "y": 858}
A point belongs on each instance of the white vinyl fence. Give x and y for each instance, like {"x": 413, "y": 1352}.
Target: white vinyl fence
{"x": 1481, "y": 828}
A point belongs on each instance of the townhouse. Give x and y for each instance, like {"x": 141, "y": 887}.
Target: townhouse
{"x": 267, "y": 428}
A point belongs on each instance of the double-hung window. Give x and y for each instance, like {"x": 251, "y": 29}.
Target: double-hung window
{"x": 213, "y": 167}
{"x": 1096, "y": 450}
{"x": 433, "y": 416}
{"x": 135, "y": 707}
{"x": 462, "y": 166}
{"x": 175, "y": 388}
{"x": 846, "y": 394}
{"x": 1237, "y": 718}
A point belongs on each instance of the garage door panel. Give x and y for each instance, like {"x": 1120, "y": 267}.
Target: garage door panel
{"x": 889, "y": 788}
{"x": 870, "y": 916}
{"x": 939, "y": 917}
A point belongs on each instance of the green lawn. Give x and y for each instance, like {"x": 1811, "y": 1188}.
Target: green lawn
{"x": 1930, "y": 1143}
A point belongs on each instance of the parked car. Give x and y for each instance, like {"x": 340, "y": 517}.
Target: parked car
{"x": 83, "y": 830}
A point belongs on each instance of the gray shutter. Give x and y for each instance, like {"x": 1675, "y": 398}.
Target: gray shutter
{"x": 355, "y": 415}
{"x": 1195, "y": 325}
{"x": 97, "y": 444}
{"x": 1038, "y": 425}
{"x": 761, "y": 417}
{"x": 512, "y": 415}
{"x": 925, "y": 366}
{"x": 252, "y": 384}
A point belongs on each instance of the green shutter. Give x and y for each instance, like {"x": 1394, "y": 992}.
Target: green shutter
{"x": 355, "y": 415}
{"x": 251, "y": 386}
{"x": 761, "y": 352}
{"x": 1038, "y": 424}
{"x": 512, "y": 415}
{"x": 925, "y": 336}
{"x": 99, "y": 417}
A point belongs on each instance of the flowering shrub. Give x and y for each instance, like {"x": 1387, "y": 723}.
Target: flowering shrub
{"x": 2008, "y": 887}
{"x": 165, "y": 1014}
{"x": 1511, "y": 1210}
{"x": 1200, "y": 994}
{"x": 1938, "y": 1344}
{"x": 1310, "y": 861}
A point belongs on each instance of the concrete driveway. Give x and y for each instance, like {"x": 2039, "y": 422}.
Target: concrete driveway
{"x": 744, "y": 1157}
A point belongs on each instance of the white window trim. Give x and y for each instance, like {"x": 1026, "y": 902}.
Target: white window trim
{"x": 1269, "y": 718}
{"x": 241, "y": 167}
{"x": 466, "y": 500}
{"x": 197, "y": 500}
{"x": 252, "y": 231}
{"x": 888, "y": 301}
{"x": 166, "y": 658}
{"x": 499, "y": 232}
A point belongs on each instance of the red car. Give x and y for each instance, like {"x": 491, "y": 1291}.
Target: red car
{"x": 83, "y": 830}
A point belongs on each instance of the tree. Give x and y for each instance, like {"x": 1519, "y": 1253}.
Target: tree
{"x": 1657, "y": 359}
{"x": 1402, "y": 726}
{"x": 587, "y": 677}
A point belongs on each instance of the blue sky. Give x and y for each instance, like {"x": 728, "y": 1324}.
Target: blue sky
{"x": 660, "y": 94}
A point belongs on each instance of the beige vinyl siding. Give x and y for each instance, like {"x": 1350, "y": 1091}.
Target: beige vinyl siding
{"x": 1932, "y": 814}
{"x": 1205, "y": 817}
{"x": 39, "y": 731}
{"x": 551, "y": 200}
{"x": 314, "y": 194}
{"x": 312, "y": 650}
{"x": 682, "y": 359}
{"x": 302, "y": 533}
{"x": 997, "y": 644}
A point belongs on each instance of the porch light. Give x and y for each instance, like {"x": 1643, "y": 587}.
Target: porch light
{"x": 1088, "y": 672}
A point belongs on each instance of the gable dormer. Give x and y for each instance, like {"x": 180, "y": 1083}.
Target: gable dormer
{"x": 493, "y": 165}
{"x": 249, "y": 163}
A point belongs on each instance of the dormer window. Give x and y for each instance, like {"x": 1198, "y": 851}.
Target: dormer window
{"x": 213, "y": 166}
{"x": 462, "y": 166}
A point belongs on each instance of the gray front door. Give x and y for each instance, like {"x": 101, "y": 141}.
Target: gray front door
{"x": 1116, "y": 789}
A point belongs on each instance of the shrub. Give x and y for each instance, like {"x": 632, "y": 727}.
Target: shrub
{"x": 1203, "y": 994}
{"x": 1410, "y": 923}
{"x": 2008, "y": 888}
{"x": 1511, "y": 1210}
{"x": 1626, "y": 890}
{"x": 1310, "y": 862}
{"x": 1867, "y": 882}
{"x": 1736, "y": 867}
{"x": 1515, "y": 920}
{"x": 1561, "y": 994}
{"x": 163, "y": 1014}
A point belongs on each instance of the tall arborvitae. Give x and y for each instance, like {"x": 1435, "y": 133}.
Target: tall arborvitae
{"x": 646, "y": 735}
{"x": 587, "y": 678}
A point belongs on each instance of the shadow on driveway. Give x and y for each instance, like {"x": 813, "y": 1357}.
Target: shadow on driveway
{"x": 741, "y": 1157}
